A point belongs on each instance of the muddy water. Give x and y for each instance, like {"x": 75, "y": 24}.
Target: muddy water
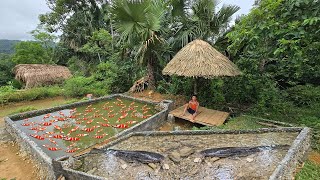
{"x": 84, "y": 126}
{"x": 256, "y": 166}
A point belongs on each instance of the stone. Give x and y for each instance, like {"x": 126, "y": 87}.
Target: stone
{"x": 249, "y": 159}
{"x": 124, "y": 166}
{"x": 209, "y": 164}
{"x": 166, "y": 166}
{"x": 92, "y": 171}
{"x": 186, "y": 151}
{"x": 171, "y": 118}
{"x": 153, "y": 166}
{"x": 214, "y": 159}
{"x": 77, "y": 164}
{"x": 175, "y": 156}
{"x": 197, "y": 160}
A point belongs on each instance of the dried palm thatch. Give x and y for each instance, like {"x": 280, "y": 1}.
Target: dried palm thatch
{"x": 200, "y": 59}
{"x": 40, "y": 74}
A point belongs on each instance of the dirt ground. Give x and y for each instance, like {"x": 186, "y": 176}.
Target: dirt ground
{"x": 314, "y": 157}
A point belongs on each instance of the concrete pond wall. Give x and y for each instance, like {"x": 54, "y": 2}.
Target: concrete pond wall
{"x": 284, "y": 170}
{"x": 45, "y": 162}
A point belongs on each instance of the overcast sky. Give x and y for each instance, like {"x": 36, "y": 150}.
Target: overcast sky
{"x": 19, "y": 17}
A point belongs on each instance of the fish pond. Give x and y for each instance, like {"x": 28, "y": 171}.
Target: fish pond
{"x": 67, "y": 131}
{"x": 193, "y": 156}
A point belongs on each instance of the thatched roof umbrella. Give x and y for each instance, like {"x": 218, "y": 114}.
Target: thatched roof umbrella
{"x": 40, "y": 74}
{"x": 200, "y": 59}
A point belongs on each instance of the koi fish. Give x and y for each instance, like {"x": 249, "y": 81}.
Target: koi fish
{"x": 37, "y": 136}
{"x": 99, "y": 130}
{"x": 57, "y": 127}
{"x": 61, "y": 113}
{"x": 90, "y": 121}
{"x": 72, "y": 150}
{"x": 82, "y": 135}
{"x": 111, "y": 115}
{"x": 72, "y": 138}
{"x": 51, "y": 148}
{"x": 123, "y": 116}
{"x": 46, "y": 116}
{"x": 47, "y": 124}
{"x": 131, "y": 122}
{"x": 105, "y": 125}
{"x": 41, "y": 129}
{"x": 72, "y": 116}
{"x": 121, "y": 126}
{"x": 88, "y": 129}
{"x": 50, "y": 132}
{"x": 26, "y": 119}
{"x": 88, "y": 110}
{"x": 105, "y": 119}
{"x": 100, "y": 136}
{"x": 53, "y": 120}
{"x": 85, "y": 118}
{"x": 61, "y": 119}
{"x": 34, "y": 128}
{"x": 26, "y": 124}
{"x": 53, "y": 141}
{"x": 58, "y": 136}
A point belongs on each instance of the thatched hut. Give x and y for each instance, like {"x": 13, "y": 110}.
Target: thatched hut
{"x": 40, "y": 74}
{"x": 200, "y": 59}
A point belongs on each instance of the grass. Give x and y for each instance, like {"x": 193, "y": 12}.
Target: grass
{"x": 310, "y": 171}
{"x": 23, "y": 109}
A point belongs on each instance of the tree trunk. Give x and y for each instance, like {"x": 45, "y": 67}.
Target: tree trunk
{"x": 152, "y": 81}
{"x": 195, "y": 86}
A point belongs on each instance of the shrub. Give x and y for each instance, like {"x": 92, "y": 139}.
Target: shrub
{"x": 304, "y": 95}
{"x": 29, "y": 94}
{"x": 80, "y": 86}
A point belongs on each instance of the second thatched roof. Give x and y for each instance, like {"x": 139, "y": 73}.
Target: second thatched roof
{"x": 200, "y": 59}
{"x": 40, "y": 74}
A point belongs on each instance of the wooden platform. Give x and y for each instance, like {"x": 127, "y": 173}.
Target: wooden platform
{"x": 208, "y": 117}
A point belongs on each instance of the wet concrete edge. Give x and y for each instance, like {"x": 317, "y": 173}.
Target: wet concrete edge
{"x": 286, "y": 167}
{"x": 296, "y": 154}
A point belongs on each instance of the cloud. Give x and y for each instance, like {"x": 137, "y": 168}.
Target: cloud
{"x": 19, "y": 17}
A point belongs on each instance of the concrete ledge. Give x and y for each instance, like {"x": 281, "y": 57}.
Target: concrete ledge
{"x": 26, "y": 144}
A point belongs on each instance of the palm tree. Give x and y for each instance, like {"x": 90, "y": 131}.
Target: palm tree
{"x": 139, "y": 25}
{"x": 200, "y": 19}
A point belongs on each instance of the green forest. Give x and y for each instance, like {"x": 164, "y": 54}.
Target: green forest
{"x": 108, "y": 45}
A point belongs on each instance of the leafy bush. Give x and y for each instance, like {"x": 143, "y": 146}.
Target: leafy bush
{"x": 80, "y": 86}
{"x": 30, "y": 94}
{"x": 304, "y": 95}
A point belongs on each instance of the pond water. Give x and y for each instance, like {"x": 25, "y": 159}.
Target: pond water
{"x": 70, "y": 130}
{"x": 184, "y": 161}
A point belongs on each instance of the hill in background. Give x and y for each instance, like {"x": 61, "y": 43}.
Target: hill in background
{"x": 7, "y": 46}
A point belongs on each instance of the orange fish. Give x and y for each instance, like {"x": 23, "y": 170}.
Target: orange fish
{"x": 72, "y": 150}
{"x": 37, "y": 136}
{"x": 61, "y": 119}
{"x": 57, "y": 127}
{"x": 50, "y": 132}
{"x": 90, "y": 121}
{"x": 26, "y": 124}
{"x": 53, "y": 141}
{"x": 72, "y": 138}
{"x": 47, "y": 124}
{"x": 88, "y": 129}
{"x": 99, "y": 136}
{"x": 131, "y": 122}
{"x": 51, "y": 148}
{"x": 58, "y": 136}
{"x": 46, "y": 116}
{"x": 82, "y": 135}
{"x": 121, "y": 126}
